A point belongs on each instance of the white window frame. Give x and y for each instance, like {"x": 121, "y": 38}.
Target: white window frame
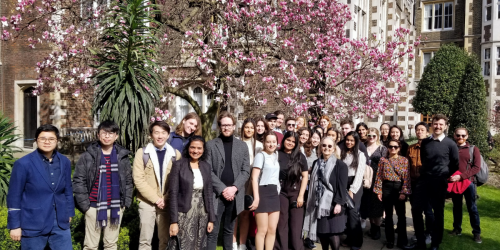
{"x": 498, "y": 9}
{"x": 490, "y": 8}
{"x": 432, "y": 18}
{"x": 432, "y": 53}
{"x": 487, "y": 62}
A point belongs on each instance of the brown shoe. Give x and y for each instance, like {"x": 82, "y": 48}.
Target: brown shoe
{"x": 455, "y": 233}
{"x": 477, "y": 238}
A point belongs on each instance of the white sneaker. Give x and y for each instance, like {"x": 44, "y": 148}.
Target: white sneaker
{"x": 363, "y": 223}
{"x": 428, "y": 239}
{"x": 242, "y": 247}
{"x": 235, "y": 246}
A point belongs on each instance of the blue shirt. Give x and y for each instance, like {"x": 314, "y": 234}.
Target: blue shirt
{"x": 52, "y": 168}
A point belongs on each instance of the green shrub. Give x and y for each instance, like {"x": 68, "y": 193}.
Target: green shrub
{"x": 7, "y": 159}
{"x": 440, "y": 81}
{"x": 5, "y": 242}
{"x": 469, "y": 109}
{"x": 123, "y": 239}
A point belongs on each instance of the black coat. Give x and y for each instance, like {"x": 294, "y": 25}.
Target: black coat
{"x": 180, "y": 191}
{"x": 85, "y": 175}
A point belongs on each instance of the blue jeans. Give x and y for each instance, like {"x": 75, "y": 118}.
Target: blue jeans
{"x": 470, "y": 201}
{"x": 58, "y": 239}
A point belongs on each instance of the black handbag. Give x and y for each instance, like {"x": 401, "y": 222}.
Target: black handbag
{"x": 248, "y": 201}
{"x": 349, "y": 201}
{"x": 173, "y": 243}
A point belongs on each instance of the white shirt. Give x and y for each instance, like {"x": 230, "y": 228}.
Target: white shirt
{"x": 270, "y": 167}
{"x": 440, "y": 138}
{"x": 198, "y": 179}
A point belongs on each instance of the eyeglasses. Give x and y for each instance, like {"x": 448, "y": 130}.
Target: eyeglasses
{"x": 290, "y": 125}
{"x": 393, "y": 147}
{"x": 327, "y": 146}
{"x": 226, "y": 125}
{"x": 372, "y": 136}
{"x": 107, "y": 133}
{"x": 43, "y": 139}
{"x": 458, "y": 136}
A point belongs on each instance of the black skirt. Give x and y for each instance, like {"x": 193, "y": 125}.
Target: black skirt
{"x": 269, "y": 199}
{"x": 332, "y": 224}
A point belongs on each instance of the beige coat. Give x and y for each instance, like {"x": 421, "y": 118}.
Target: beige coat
{"x": 146, "y": 179}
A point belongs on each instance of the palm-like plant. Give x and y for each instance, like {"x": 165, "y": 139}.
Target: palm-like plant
{"x": 7, "y": 150}
{"x": 128, "y": 83}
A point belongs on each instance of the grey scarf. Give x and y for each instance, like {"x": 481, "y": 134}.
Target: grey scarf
{"x": 318, "y": 207}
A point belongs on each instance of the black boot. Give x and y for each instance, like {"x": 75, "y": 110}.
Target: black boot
{"x": 375, "y": 234}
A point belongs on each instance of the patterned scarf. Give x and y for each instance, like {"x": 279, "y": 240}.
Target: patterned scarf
{"x": 102, "y": 196}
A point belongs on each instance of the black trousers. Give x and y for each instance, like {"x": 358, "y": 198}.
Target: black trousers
{"x": 226, "y": 212}
{"x": 429, "y": 215}
{"x": 430, "y": 191}
{"x": 390, "y": 198}
{"x": 289, "y": 230}
{"x": 354, "y": 231}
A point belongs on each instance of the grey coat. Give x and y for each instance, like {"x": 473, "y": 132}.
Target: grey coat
{"x": 241, "y": 169}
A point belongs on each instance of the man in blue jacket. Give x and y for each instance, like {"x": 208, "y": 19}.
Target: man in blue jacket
{"x": 40, "y": 198}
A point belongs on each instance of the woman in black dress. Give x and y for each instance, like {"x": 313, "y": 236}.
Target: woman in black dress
{"x": 293, "y": 179}
{"x": 327, "y": 198}
{"x": 372, "y": 206}
{"x": 190, "y": 197}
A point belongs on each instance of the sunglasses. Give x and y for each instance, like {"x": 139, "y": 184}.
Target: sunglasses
{"x": 372, "y": 136}
{"x": 458, "y": 136}
{"x": 290, "y": 125}
{"x": 393, "y": 147}
{"x": 327, "y": 146}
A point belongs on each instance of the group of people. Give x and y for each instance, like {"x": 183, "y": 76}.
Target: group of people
{"x": 284, "y": 188}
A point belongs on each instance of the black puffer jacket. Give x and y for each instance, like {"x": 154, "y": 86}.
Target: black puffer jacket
{"x": 86, "y": 171}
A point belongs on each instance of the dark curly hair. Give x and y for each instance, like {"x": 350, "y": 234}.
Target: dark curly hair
{"x": 185, "y": 152}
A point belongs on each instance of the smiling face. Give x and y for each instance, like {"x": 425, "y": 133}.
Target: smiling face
{"x": 248, "y": 130}
{"x": 270, "y": 143}
{"x": 315, "y": 140}
{"x": 300, "y": 122}
{"x": 461, "y": 136}
{"x": 107, "y": 138}
{"x": 395, "y": 133}
{"x": 372, "y": 137}
{"x": 438, "y": 127}
{"x": 46, "y": 141}
{"x": 346, "y": 128}
{"x": 324, "y": 123}
{"x": 280, "y": 120}
{"x": 350, "y": 142}
{"x": 160, "y": 136}
{"x": 290, "y": 125}
{"x": 327, "y": 147}
{"x": 384, "y": 130}
{"x": 289, "y": 144}
{"x": 304, "y": 136}
{"x": 421, "y": 132}
{"x": 332, "y": 134}
{"x": 271, "y": 123}
{"x": 362, "y": 132}
{"x": 196, "y": 150}
{"x": 261, "y": 128}
{"x": 227, "y": 126}
{"x": 189, "y": 126}
{"x": 393, "y": 148}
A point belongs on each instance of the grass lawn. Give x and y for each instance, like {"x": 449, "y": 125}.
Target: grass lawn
{"x": 489, "y": 214}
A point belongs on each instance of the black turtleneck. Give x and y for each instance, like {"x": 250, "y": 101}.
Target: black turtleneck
{"x": 227, "y": 176}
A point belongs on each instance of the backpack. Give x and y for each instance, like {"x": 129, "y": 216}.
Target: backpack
{"x": 482, "y": 176}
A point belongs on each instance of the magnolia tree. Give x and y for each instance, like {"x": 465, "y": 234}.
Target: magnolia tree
{"x": 250, "y": 51}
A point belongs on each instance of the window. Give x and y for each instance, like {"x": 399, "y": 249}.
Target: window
{"x": 498, "y": 52}
{"x": 438, "y": 16}
{"x": 427, "y": 58}
{"x": 488, "y": 13}
{"x": 498, "y": 68}
{"x": 487, "y": 54}
{"x": 198, "y": 96}
{"x": 486, "y": 68}
{"x": 498, "y": 10}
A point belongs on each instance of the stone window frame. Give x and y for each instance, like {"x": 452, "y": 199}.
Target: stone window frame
{"x": 432, "y": 52}
{"x": 443, "y": 16}
{"x": 487, "y": 61}
{"x": 498, "y": 9}
{"x": 498, "y": 57}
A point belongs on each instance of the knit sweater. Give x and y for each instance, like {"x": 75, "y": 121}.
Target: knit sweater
{"x": 439, "y": 158}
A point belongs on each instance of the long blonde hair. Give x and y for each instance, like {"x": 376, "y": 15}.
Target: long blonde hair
{"x": 374, "y": 130}
{"x": 180, "y": 128}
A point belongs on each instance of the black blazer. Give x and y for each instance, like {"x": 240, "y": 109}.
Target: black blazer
{"x": 180, "y": 191}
